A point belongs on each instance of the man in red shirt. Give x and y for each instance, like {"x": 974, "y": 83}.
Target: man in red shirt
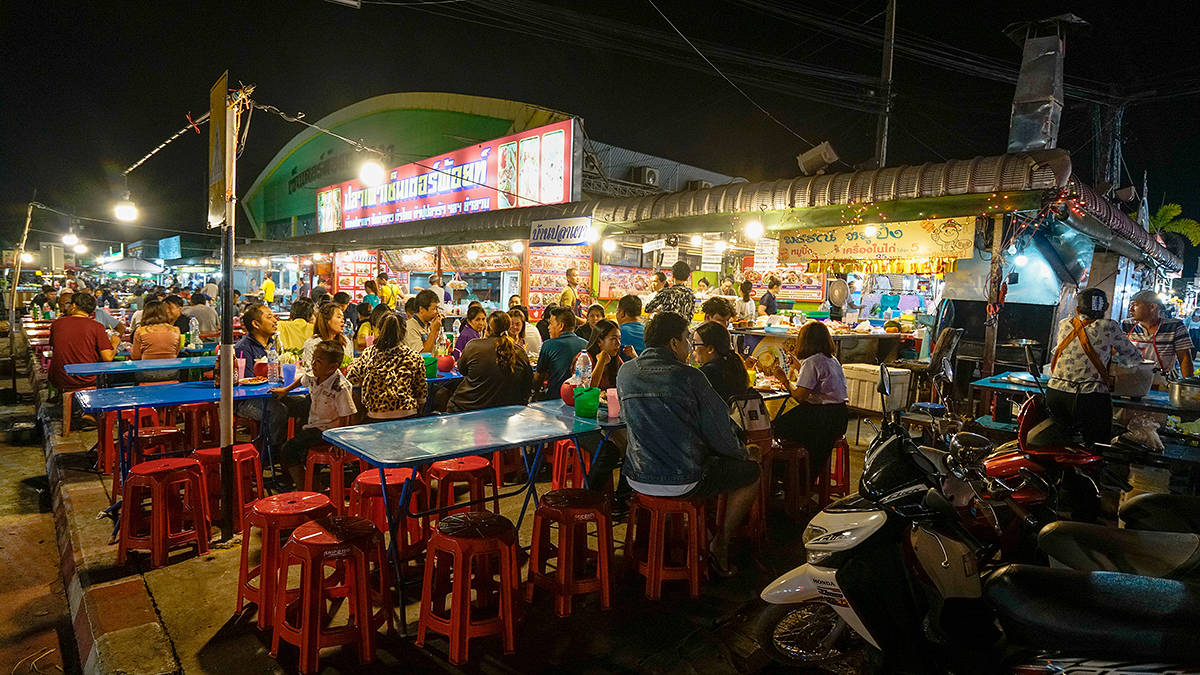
{"x": 76, "y": 337}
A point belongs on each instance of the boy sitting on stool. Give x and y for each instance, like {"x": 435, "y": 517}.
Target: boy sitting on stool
{"x": 332, "y": 405}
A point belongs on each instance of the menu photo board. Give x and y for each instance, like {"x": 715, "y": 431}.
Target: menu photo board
{"x": 617, "y": 282}
{"x": 930, "y": 238}
{"x": 351, "y": 269}
{"x": 548, "y": 267}
{"x": 797, "y": 285}
{"x": 530, "y": 168}
{"x": 411, "y": 259}
{"x": 491, "y": 256}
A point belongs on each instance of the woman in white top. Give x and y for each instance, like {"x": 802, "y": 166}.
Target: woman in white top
{"x": 328, "y": 326}
{"x": 1079, "y": 394}
{"x": 818, "y": 396}
{"x": 743, "y": 307}
{"x": 525, "y": 334}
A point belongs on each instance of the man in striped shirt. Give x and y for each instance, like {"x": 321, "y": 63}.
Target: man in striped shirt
{"x": 1162, "y": 340}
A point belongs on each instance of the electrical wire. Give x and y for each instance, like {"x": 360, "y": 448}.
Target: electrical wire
{"x": 192, "y": 125}
{"x": 39, "y": 205}
{"x": 725, "y": 77}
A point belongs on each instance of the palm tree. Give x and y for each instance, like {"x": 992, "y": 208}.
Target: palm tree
{"x": 1175, "y": 230}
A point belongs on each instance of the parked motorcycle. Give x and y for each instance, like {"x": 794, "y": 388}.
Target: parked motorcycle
{"x": 894, "y": 569}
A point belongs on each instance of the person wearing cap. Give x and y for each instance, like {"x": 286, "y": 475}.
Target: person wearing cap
{"x": 1160, "y": 339}
{"x": 1080, "y": 390}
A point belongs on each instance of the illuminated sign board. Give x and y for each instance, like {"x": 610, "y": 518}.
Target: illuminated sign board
{"x": 534, "y": 167}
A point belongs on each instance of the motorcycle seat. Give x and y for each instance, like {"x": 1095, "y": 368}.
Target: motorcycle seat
{"x": 1096, "y": 613}
{"x": 1167, "y": 513}
{"x": 1050, "y": 434}
{"x": 1096, "y": 548}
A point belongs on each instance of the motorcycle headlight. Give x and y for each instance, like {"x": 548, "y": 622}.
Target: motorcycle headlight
{"x": 812, "y": 532}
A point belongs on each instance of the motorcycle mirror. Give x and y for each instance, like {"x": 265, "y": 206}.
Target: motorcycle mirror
{"x": 885, "y": 381}
{"x": 970, "y": 449}
{"x": 947, "y": 370}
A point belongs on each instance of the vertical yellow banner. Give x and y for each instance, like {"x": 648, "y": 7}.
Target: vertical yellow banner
{"x": 216, "y": 151}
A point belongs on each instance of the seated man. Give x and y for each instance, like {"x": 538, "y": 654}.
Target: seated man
{"x": 261, "y": 325}
{"x": 556, "y": 361}
{"x": 681, "y": 441}
{"x": 719, "y": 310}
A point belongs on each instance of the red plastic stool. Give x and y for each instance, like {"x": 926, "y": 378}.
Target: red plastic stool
{"x": 483, "y": 543}
{"x": 674, "y": 545}
{"x": 474, "y": 471}
{"x": 366, "y": 501}
{"x": 275, "y": 517}
{"x": 797, "y": 481}
{"x": 506, "y": 463}
{"x": 106, "y": 446}
{"x": 336, "y": 459}
{"x": 247, "y": 479}
{"x": 572, "y": 509}
{"x": 755, "y": 527}
{"x": 834, "y": 480}
{"x": 152, "y": 443}
{"x": 567, "y": 471}
{"x": 354, "y": 549}
{"x": 177, "y": 515}
{"x": 68, "y": 398}
{"x": 200, "y": 424}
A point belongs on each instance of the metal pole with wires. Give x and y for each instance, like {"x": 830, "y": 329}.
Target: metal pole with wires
{"x": 13, "y": 323}
{"x": 885, "y": 81}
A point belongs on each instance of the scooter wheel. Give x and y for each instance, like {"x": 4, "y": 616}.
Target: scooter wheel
{"x": 810, "y": 634}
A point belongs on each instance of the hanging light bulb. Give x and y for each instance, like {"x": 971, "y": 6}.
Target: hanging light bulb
{"x": 70, "y": 239}
{"x": 26, "y": 257}
{"x": 754, "y": 230}
{"x": 609, "y": 245}
{"x": 472, "y": 254}
{"x": 697, "y": 240}
{"x": 125, "y": 210}
{"x": 80, "y": 249}
{"x": 870, "y": 230}
{"x": 593, "y": 235}
{"x": 720, "y": 246}
{"x": 1012, "y": 250}
{"x": 518, "y": 247}
{"x": 371, "y": 172}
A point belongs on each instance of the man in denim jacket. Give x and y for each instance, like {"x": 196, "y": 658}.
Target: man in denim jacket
{"x": 681, "y": 441}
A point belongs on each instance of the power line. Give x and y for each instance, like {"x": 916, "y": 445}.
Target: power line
{"x": 733, "y": 84}
{"x": 73, "y": 216}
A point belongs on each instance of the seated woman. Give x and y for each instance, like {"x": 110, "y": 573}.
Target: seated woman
{"x": 524, "y": 333}
{"x": 720, "y": 364}
{"x": 607, "y": 355}
{"x": 817, "y": 416}
{"x": 594, "y": 314}
{"x": 391, "y": 375}
{"x": 156, "y": 338}
{"x": 328, "y": 326}
{"x": 472, "y": 329}
{"x": 496, "y": 372}
{"x": 607, "y": 358}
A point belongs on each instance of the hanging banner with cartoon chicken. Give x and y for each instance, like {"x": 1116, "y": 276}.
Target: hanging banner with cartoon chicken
{"x": 933, "y": 238}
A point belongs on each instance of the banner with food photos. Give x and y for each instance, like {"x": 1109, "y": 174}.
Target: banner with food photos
{"x": 929, "y": 238}
{"x": 547, "y": 274}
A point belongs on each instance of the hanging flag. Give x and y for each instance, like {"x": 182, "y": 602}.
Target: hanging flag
{"x": 217, "y": 150}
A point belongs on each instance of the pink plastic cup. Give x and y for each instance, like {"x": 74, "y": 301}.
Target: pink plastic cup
{"x": 614, "y": 404}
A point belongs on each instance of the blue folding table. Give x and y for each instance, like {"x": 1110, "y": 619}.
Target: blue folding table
{"x": 102, "y": 369}
{"x": 419, "y": 441}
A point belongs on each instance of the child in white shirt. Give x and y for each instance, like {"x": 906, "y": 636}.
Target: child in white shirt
{"x": 332, "y": 404}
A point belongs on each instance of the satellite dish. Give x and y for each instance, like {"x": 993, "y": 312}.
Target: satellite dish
{"x": 837, "y": 291}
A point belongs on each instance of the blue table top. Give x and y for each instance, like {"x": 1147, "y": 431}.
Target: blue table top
{"x": 158, "y": 395}
{"x": 444, "y": 377}
{"x": 114, "y": 367}
{"x": 1017, "y": 382}
{"x": 557, "y": 407}
{"x": 420, "y": 440}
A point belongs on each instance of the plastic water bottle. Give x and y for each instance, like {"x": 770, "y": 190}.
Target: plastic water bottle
{"x": 348, "y": 331}
{"x": 455, "y": 327}
{"x": 273, "y": 372}
{"x": 193, "y": 332}
{"x": 47, "y": 313}
{"x": 583, "y": 369}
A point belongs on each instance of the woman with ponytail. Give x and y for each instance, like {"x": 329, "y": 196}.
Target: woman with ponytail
{"x": 495, "y": 370}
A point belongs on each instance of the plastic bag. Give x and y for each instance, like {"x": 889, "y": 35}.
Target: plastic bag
{"x": 1144, "y": 430}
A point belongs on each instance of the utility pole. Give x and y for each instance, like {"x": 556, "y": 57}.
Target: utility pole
{"x": 13, "y": 322}
{"x": 885, "y": 81}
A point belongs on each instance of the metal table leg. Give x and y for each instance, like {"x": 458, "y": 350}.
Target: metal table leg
{"x": 393, "y": 548}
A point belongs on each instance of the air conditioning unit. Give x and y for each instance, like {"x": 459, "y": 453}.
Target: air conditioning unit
{"x": 699, "y": 184}
{"x": 646, "y": 175}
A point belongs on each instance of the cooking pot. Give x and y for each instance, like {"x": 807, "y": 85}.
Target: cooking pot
{"x": 1185, "y": 393}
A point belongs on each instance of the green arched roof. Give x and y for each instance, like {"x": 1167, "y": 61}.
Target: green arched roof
{"x": 282, "y": 200}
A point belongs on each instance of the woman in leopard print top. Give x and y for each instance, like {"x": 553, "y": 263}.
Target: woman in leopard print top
{"x": 391, "y": 375}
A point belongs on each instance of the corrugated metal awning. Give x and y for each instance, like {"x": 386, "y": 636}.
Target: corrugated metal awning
{"x": 953, "y": 188}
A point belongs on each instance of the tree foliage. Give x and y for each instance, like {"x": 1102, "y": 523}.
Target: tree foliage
{"x": 1167, "y": 219}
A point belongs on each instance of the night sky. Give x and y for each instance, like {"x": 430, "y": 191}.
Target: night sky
{"x": 89, "y": 88}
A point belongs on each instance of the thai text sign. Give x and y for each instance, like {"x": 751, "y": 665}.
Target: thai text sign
{"x": 934, "y": 238}
{"x": 533, "y": 167}
{"x": 560, "y": 231}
